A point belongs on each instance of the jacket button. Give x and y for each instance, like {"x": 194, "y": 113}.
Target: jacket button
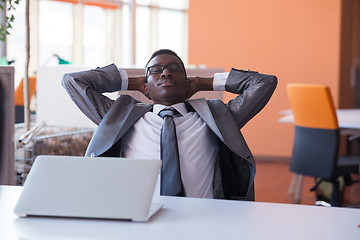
{"x": 92, "y": 155}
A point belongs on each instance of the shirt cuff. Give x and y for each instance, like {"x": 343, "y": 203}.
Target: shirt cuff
{"x": 124, "y": 79}
{"x": 219, "y": 81}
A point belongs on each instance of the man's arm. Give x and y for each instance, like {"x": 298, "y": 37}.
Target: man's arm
{"x": 86, "y": 89}
{"x": 137, "y": 84}
{"x": 197, "y": 84}
{"x": 254, "y": 91}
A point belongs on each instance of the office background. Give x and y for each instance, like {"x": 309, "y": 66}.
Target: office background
{"x": 298, "y": 41}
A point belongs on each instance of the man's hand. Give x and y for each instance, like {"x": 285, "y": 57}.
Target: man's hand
{"x": 192, "y": 86}
{"x": 138, "y": 84}
{"x": 197, "y": 84}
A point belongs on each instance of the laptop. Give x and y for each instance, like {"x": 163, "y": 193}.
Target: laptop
{"x": 90, "y": 187}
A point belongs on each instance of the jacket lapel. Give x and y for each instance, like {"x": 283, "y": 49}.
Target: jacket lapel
{"x": 220, "y": 121}
{"x": 201, "y": 107}
{"x": 136, "y": 112}
{"x": 114, "y": 125}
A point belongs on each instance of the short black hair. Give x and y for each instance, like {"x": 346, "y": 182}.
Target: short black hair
{"x": 165, "y": 51}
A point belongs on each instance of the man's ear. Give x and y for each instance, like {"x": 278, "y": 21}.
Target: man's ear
{"x": 146, "y": 91}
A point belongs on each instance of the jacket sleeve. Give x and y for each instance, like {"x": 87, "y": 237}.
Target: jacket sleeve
{"x": 86, "y": 89}
{"x": 254, "y": 91}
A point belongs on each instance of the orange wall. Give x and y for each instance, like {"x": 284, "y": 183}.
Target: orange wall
{"x": 298, "y": 41}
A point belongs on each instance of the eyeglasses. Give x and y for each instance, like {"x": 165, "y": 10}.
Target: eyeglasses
{"x": 172, "y": 67}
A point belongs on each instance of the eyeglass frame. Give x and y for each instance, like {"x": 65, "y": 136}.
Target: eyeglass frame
{"x": 163, "y": 68}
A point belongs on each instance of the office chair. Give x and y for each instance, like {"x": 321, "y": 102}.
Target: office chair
{"x": 316, "y": 142}
{"x": 19, "y": 98}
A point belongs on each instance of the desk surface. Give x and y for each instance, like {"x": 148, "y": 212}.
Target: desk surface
{"x": 189, "y": 218}
{"x": 347, "y": 118}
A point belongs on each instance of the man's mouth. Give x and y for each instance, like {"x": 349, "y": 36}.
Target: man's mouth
{"x": 166, "y": 82}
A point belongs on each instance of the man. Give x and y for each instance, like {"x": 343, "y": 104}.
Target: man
{"x": 215, "y": 161}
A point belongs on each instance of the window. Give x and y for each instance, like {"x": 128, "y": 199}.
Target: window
{"x": 160, "y": 24}
{"x": 98, "y": 32}
{"x": 16, "y": 42}
{"x": 94, "y": 36}
{"x": 55, "y": 31}
{"x": 143, "y": 31}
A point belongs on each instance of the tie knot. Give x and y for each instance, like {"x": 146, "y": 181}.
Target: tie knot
{"x": 169, "y": 112}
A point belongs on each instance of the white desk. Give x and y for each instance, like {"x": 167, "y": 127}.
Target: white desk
{"x": 187, "y": 218}
{"x": 349, "y": 119}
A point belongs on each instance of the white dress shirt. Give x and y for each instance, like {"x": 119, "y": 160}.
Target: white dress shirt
{"x": 196, "y": 142}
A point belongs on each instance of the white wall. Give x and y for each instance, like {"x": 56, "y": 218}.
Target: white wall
{"x": 53, "y": 104}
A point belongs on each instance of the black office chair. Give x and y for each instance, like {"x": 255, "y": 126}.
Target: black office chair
{"x": 316, "y": 143}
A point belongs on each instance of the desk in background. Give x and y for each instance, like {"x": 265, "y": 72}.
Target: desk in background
{"x": 190, "y": 218}
{"x": 348, "y": 119}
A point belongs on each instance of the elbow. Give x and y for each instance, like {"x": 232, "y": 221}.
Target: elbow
{"x": 66, "y": 80}
{"x": 272, "y": 80}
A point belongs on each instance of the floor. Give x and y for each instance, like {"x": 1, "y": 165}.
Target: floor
{"x": 273, "y": 179}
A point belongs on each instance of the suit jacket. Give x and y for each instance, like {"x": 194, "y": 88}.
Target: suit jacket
{"x": 235, "y": 166}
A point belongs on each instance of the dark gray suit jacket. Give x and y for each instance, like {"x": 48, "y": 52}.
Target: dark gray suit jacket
{"x": 235, "y": 166}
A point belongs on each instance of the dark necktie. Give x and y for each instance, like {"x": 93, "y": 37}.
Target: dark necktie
{"x": 171, "y": 184}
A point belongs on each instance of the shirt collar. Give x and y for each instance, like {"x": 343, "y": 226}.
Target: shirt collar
{"x": 180, "y": 107}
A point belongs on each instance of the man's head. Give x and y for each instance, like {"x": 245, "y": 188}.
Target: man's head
{"x": 166, "y": 81}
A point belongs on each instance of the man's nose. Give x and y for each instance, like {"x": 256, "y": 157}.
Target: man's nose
{"x": 166, "y": 73}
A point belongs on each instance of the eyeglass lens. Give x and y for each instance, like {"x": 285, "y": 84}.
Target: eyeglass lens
{"x": 172, "y": 67}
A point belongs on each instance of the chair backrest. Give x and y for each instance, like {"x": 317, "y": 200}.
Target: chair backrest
{"x": 316, "y": 142}
{"x": 19, "y": 92}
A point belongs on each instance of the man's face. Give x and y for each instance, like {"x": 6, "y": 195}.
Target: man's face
{"x": 166, "y": 85}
